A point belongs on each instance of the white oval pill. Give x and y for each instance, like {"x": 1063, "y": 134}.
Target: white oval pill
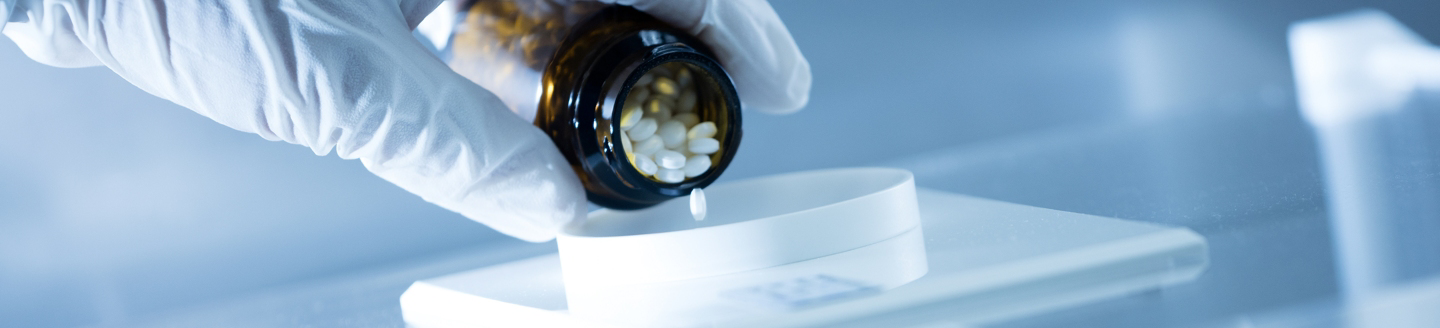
{"x": 696, "y": 165}
{"x": 664, "y": 85}
{"x": 625, "y": 142}
{"x": 658, "y": 108}
{"x": 656, "y": 105}
{"x": 697, "y": 204}
{"x": 682, "y": 77}
{"x": 643, "y": 129}
{"x": 703, "y": 146}
{"x": 630, "y": 116}
{"x": 649, "y": 145}
{"x": 645, "y": 165}
{"x": 670, "y": 159}
{"x": 686, "y": 102}
{"x": 673, "y": 133}
{"x": 670, "y": 175}
{"x": 690, "y": 119}
{"x": 702, "y": 130}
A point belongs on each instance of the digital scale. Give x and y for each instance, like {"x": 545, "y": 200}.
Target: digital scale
{"x": 844, "y": 247}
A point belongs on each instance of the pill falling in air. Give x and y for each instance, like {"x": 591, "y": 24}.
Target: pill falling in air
{"x": 697, "y": 204}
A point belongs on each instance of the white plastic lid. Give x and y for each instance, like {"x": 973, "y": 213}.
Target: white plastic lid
{"x": 752, "y": 224}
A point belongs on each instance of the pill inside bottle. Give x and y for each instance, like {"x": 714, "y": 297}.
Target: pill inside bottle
{"x": 618, "y": 91}
{"x": 666, "y": 121}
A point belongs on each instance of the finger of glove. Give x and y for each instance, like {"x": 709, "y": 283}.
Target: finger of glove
{"x": 415, "y": 11}
{"x": 343, "y": 75}
{"x": 757, "y": 50}
{"x": 6, "y": 7}
{"x": 45, "y": 33}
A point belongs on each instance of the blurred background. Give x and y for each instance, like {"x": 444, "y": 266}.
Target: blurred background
{"x": 121, "y": 209}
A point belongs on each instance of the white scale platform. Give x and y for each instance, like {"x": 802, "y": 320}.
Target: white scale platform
{"x": 987, "y": 261}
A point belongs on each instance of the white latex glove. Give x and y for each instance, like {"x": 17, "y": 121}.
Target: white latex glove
{"x": 5, "y": 6}
{"x": 348, "y": 75}
{"x": 757, "y": 50}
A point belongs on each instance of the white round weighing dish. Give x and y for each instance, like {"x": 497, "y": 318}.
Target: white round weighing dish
{"x": 751, "y": 224}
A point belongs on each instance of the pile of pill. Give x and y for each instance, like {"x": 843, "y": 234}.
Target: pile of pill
{"x": 663, "y": 133}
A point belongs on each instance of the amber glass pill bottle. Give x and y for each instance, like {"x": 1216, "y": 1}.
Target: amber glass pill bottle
{"x": 580, "y": 66}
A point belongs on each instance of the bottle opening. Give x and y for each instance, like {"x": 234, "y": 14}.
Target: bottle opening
{"x": 672, "y": 123}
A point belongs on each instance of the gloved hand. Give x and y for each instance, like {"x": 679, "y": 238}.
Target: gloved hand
{"x": 347, "y": 75}
{"x": 5, "y": 6}
{"x": 769, "y": 72}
